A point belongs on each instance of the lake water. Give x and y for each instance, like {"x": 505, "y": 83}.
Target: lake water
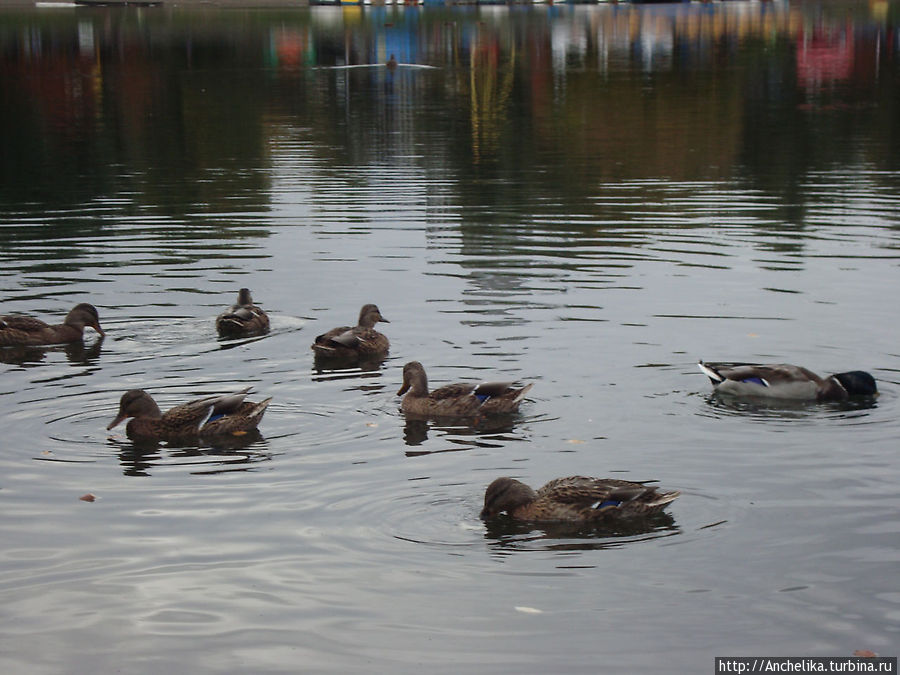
{"x": 590, "y": 198}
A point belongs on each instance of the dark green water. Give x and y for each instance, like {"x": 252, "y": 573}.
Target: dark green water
{"x": 590, "y": 198}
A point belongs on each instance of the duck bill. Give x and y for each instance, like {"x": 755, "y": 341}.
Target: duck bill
{"x": 117, "y": 421}
{"x": 97, "y": 328}
{"x": 403, "y": 389}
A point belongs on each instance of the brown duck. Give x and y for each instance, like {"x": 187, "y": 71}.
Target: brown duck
{"x": 242, "y": 319}
{"x": 461, "y": 399}
{"x": 212, "y": 416}
{"x": 574, "y": 499}
{"x": 360, "y": 341}
{"x": 26, "y": 330}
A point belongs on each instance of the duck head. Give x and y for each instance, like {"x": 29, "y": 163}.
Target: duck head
{"x": 135, "y": 403}
{"x": 84, "y": 314}
{"x": 857, "y": 383}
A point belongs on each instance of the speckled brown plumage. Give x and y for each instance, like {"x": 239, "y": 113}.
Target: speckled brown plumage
{"x": 357, "y": 342}
{"x": 242, "y": 319}
{"x": 575, "y": 499}
{"x": 210, "y": 416}
{"x": 26, "y": 330}
{"x": 461, "y": 399}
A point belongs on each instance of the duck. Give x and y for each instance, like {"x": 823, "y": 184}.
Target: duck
{"x": 360, "y": 341}
{"x": 26, "y": 330}
{"x": 575, "y": 499}
{"x": 222, "y": 415}
{"x": 787, "y": 382}
{"x": 243, "y": 318}
{"x": 461, "y": 399}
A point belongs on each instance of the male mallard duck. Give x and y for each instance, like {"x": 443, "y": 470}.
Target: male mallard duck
{"x": 211, "y": 416}
{"x": 788, "y": 382}
{"x": 576, "y": 498}
{"x": 360, "y": 341}
{"x": 243, "y": 318}
{"x": 26, "y": 330}
{"x": 462, "y": 399}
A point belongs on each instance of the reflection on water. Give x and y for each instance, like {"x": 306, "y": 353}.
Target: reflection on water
{"x": 337, "y": 367}
{"x": 233, "y": 453}
{"x": 507, "y": 535}
{"x": 78, "y": 353}
{"x": 475, "y": 431}
{"x": 597, "y": 88}
{"x": 591, "y": 198}
{"x": 772, "y": 410}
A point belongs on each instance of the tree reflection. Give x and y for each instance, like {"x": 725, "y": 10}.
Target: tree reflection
{"x": 184, "y": 110}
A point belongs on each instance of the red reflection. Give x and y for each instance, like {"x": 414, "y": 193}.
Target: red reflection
{"x": 825, "y": 56}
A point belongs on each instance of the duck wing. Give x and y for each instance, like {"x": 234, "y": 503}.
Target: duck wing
{"x": 349, "y": 338}
{"x": 242, "y": 419}
{"x": 486, "y": 390}
{"x": 594, "y": 492}
{"x": 451, "y": 391}
{"x": 197, "y": 413}
{"x": 768, "y": 374}
{"x": 328, "y": 336}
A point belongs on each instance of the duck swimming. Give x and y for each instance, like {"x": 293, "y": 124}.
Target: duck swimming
{"x": 574, "y": 499}
{"x": 788, "y": 382}
{"x": 351, "y": 343}
{"x": 26, "y": 330}
{"x": 242, "y": 319}
{"x": 461, "y": 399}
{"x": 210, "y": 416}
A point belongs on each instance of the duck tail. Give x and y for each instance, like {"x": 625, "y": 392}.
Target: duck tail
{"x": 257, "y": 413}
{"x": 711, "y": 372}
{"x": 524, "y": 390}
{"x": 664, "y": 498}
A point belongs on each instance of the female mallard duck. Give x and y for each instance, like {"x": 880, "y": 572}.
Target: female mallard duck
{"x": 360, "y": 341}
{"x": 787, "y": 382}
{"x": 576, "y": 498}
{"x": 243, "y": 318}
{"x": 26, "y": 330}
{"x": 211, "y": 416}
{"x": 462, "y": 399}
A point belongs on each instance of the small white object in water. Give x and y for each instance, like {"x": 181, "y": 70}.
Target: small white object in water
{"x": 529, "y": 610}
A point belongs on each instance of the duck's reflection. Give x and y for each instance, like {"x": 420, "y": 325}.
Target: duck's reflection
{"x": 231, "y": 453}
{"x": 769, "y": 409}
{"x": 78, "y": 353}
{"x": 415, "y": 429}
{"x": 330, "y": 364}
{"x": 506, "y": 534}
